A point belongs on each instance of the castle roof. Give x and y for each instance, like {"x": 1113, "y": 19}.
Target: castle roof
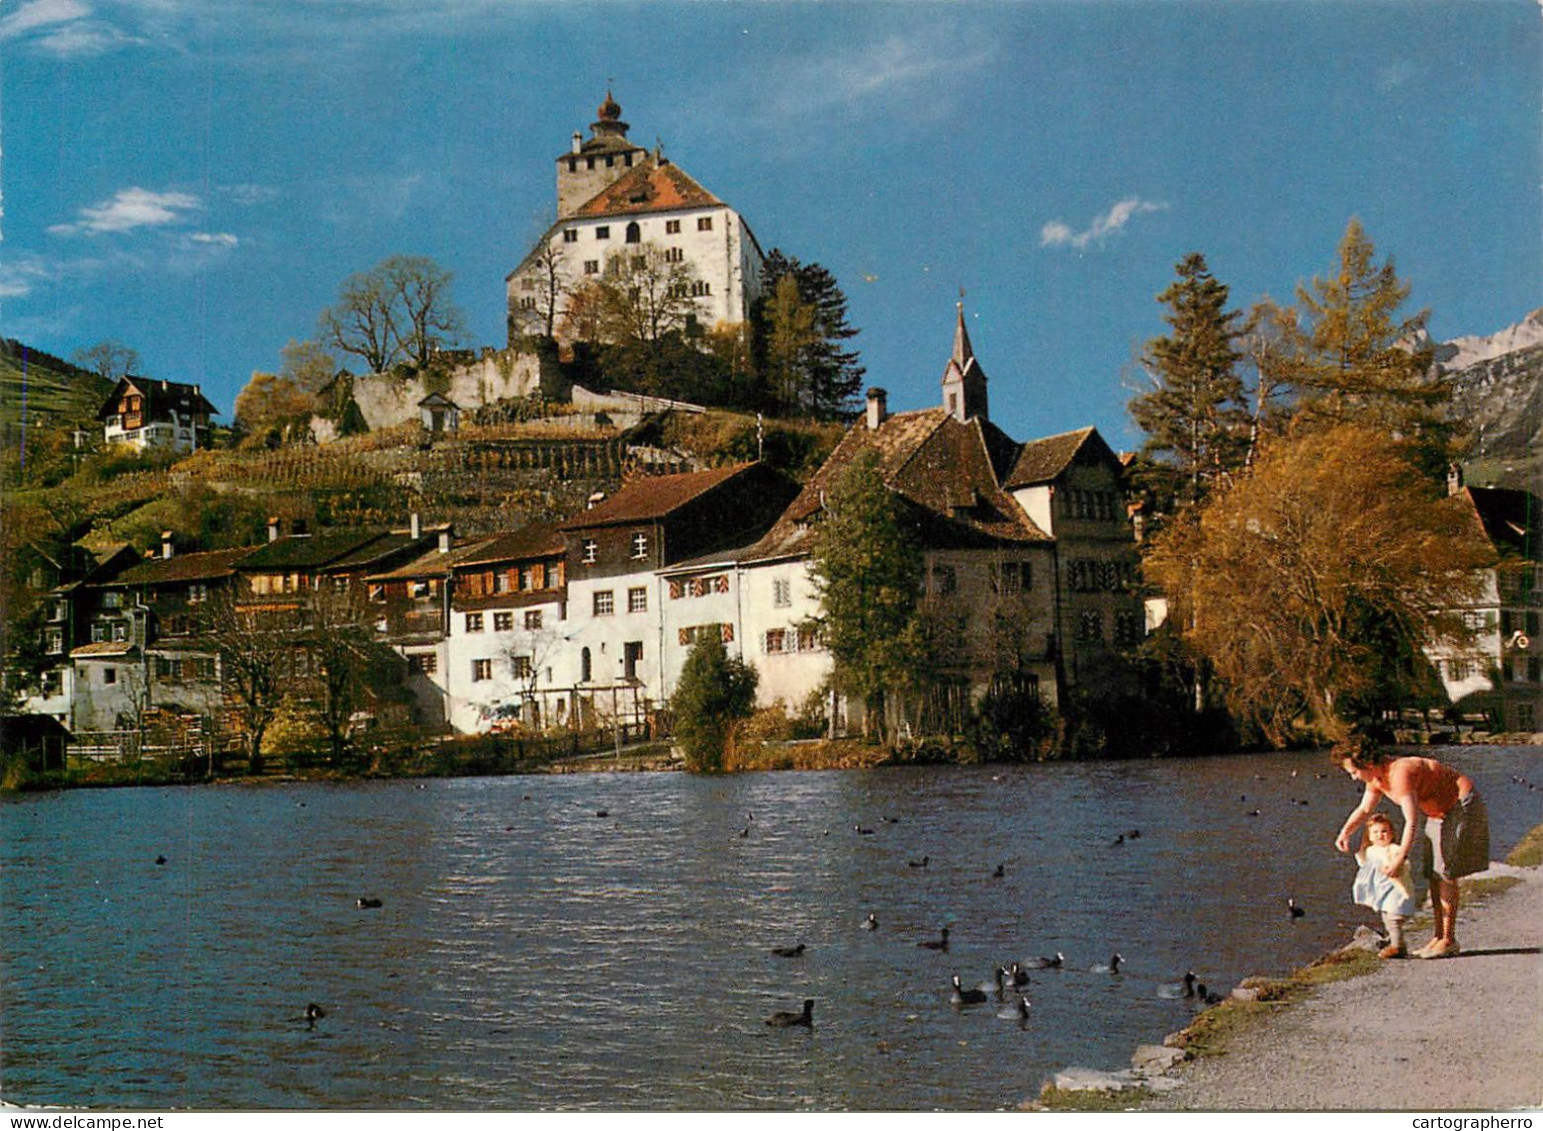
{"x": 1040, "y": 461}
{"x": 655, "y": 185}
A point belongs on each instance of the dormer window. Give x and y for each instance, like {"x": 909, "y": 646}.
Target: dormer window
{"x": 591, "y": 551}
{"x": 640, "y": 545}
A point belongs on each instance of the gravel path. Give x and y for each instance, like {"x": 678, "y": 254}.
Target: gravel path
{"x": 1459, "y": 1034}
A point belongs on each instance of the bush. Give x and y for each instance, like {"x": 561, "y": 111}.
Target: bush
{"x": 714, "y": 691}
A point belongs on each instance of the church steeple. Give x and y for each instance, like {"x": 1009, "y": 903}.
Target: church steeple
{"x": 964, "y": 381}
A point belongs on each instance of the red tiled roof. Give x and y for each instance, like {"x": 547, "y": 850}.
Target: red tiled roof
{"x": 653, "y": 497}
{"x": 650, "y": 187}
{"x": 202, "y": 566}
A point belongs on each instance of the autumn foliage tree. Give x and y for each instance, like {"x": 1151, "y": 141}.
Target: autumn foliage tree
{"x": 1313, "y": 586}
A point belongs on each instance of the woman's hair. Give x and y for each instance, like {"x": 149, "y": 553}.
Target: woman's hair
{"x": 1360, "y": 750}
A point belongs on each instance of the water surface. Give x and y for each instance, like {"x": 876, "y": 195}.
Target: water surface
{"x": 531, "y": 953}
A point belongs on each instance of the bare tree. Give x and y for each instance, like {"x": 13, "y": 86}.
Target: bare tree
{"x": 253, "y": 646}
{"x": 547, "y": 270}
{"x": 109, "y": 360}
{"x": 399, "y": 310}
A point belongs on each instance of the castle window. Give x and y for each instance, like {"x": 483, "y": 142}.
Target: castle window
{"x": 570, "y": 235}
{"x": 627, "y": 160}
{"x": 592, "y": 267}
{"x": 473, "y": 622}
{"x": 604, "y": 602}
{"x": 701, "y": 287}
{"x": 503, "y": 622}
{"x": 610, "y": 161}
{"x": 532, "y": 620}
{"x": 672, "y": 227}
{"x": 637, "y": 600}
{"x": 589, "y": 162}
{"x": 481, "y": 670}
{"x": 422, "y": 663}
{"x": 520, "y": 667}
{"x": 704, "y": 223}
{"x": 634, "y": 233}
{"x": 528, "y": 302}
{"x": 603, "y": 232}
{"x": 673, "y": 255}
{"x": 573, "y": 164}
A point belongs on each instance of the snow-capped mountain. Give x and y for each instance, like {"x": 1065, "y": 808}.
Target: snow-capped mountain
{"x": 1498, "y": 390}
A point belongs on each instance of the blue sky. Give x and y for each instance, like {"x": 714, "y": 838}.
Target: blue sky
{"x": 196, "y": 177}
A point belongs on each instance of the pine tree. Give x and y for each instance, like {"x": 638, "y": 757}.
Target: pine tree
{"x": 826, "y": 374}
{"x": 1195, "y": 416}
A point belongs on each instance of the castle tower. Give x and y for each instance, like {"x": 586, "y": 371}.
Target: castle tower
{"x": 964, "y": 382}
{"x": 590, "y": 166}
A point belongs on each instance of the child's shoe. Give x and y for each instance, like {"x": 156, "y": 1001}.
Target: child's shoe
{"x": 1391, "y": 951}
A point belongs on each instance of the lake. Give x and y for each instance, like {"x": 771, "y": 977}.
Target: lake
{"x": 603, "y": 941}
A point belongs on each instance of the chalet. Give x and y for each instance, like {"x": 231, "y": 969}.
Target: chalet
{"x": 148, "y": 413}
{"x": 1501, "y": 672}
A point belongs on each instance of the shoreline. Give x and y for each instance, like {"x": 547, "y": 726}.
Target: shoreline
{"x": 1276, "y": 1039}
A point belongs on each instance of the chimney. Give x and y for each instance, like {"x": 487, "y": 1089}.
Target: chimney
{"x": 166, "y": 543}
{"x": 444, "y": 541}
{"x": 415, "y": 528}
{"x": 878, "y": 407}
{"x": 1455, "y": 479}
{"x": 273, "y": 528}
{"x": 578, "y": 141}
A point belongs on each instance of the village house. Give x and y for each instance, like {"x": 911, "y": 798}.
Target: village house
{"x": 61, "y": 578}
{"x": 623, "y": 652}
{"x": 615, "y": 198}
{"x": 147, "y": 413}
{"x": 506, "y": 643}
{"x": 1500, "y": 674}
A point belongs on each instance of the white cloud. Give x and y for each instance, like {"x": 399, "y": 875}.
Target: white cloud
{"x": 215, "y": 239}
{"x": 897, "y": 75}
{"x": 249, "y": 194}
{"x": 41, "y": 14}
{"x": 1057, "y": 233}
{"x": 131, "y": 208}
{"x": 67, "y": 28}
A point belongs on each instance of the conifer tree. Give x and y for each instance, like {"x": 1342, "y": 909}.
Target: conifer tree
{"x": 1194, "y": 415}
{"x": 1353, "y": 358}
{"x": 825, "y": 373}
{"x": 867, "y": 568}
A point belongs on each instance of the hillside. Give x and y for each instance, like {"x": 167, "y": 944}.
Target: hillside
{"x": 484, "y": 480}
{"x": 45, "y": 387}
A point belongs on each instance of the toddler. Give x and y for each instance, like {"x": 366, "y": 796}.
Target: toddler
{"x": 1391, "y": 896}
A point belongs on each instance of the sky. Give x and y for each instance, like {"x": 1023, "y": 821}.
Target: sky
{"x": 196, "y": 178}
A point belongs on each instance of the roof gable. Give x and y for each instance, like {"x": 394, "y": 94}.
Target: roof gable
{"x": 159, "y": 397}
{"x": 207, "y": 565}
{"x": 1040, "y": 461}
{"x": 1509, "y": 518}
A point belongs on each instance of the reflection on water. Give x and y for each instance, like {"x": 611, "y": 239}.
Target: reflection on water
{"x": 605, "y": 941}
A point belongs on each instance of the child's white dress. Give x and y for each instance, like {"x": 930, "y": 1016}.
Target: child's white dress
{"x": 1389, "y": 895}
